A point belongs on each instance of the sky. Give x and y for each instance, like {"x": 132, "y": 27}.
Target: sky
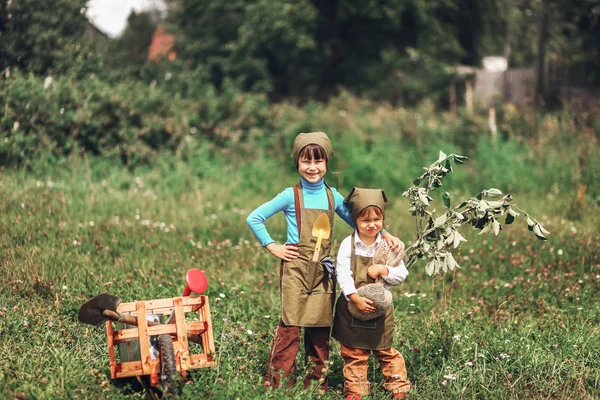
{"x": 110, "y": 16}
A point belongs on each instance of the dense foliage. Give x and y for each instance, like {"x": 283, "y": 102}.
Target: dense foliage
{"x": 401, "y": 52}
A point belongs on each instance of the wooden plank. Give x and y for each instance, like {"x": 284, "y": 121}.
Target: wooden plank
{"x": 111, "y": 349}
{"x": 197, "y": 327}
{"x": 201, "y": 361}
{"x": 143, "y": 338}
{"x": 182, "y": 339}
{"x": 128, "y": 334}
{"x": 160, "y": 303}
{"x": 208, "y": 342}
{"x": 134, "y": 368}
{"x": 125, "y": 334}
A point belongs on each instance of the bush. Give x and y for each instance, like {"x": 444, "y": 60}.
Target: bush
{"x": 129, "y": 121}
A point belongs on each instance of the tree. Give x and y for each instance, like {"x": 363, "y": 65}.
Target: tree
{"x": 44, "y": 36}
{"x": 135, "y": 40}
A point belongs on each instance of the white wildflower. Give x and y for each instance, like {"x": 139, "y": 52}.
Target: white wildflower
{"x": 48, "y": 82}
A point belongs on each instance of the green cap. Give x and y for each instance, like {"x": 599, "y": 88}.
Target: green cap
{"x": 360, "y": 198}
{"x": 304, "y": 139}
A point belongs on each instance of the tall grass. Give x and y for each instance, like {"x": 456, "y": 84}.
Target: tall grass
{"x": 518, "y": 320}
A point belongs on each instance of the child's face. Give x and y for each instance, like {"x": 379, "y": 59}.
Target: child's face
{"x": 312, "y": 170}
{"x": 370, "y": 224}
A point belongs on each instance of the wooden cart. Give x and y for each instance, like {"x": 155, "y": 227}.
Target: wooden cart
{"x": 173, "y": 339}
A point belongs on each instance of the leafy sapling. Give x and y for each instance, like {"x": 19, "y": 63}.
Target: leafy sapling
{"x": 436, "y": 236}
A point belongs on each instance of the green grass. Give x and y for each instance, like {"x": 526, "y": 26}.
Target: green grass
{"x": 520, "y": 319}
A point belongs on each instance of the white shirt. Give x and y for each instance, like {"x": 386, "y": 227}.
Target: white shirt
{"x": 396, "y": 273}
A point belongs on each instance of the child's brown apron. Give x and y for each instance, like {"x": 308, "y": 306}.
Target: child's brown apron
{"x": 307, "y": 293}
{"x": 376, "y": 334}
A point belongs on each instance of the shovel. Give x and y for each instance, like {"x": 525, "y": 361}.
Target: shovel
{"x": 321, "y": 229}
{"x": 104, "y": 307}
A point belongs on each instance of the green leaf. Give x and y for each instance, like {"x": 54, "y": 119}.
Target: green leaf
{"x": 416, "y": 182}
{"x": 446, "y": 199}
{"x": 445, "y": 265}
{"x": 458, "y": 238}
{"x": 495, "y": 204}
{"x": 442, "y": 156}
{"x": 493, "y": 192}
{"x": 509, "y": 219}
{"x": 448, "y": 166}
{"x": 451, "y": 262}
{"x": 430, "y": 267}
{"x": 496, "y": 227}
{"x": 538, "y": 232}
{"x": 450, "y": 238}
{"x": 441, "y": 220}
{"x": 439, "y": 244}
{"x": 459, "y": 159}
{"x": 485, "y": 229}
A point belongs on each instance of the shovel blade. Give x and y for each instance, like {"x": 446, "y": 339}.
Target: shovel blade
{"x": 322, "y": 227}
{"x": 91, "y": 311}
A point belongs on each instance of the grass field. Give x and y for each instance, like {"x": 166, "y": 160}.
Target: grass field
{"x": 520, "y": 319}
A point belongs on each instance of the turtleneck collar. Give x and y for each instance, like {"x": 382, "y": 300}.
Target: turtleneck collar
{"x": 312, "y": 187}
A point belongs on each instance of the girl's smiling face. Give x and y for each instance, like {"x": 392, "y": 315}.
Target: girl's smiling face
{"x": 312, "y": 170}
{"x": 312, "y": 163}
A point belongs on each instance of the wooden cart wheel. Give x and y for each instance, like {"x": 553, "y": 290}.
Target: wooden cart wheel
{"x": 168, "y": 365}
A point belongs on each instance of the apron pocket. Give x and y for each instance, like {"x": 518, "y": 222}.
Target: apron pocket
{"x": 313, "y": 275}
{"x": 357, "y": 323}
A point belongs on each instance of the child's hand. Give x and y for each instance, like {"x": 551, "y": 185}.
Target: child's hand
{"x": 377, "y": 270}
{"x": 393, "y": 242}
{"x": 286, "y": 252}
{"x": 362, "y": 303}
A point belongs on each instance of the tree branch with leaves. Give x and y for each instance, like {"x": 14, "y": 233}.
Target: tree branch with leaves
{"x": 438, "y": 236}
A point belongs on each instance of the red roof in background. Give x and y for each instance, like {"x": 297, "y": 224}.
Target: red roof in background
{"x": 162, "y": 45}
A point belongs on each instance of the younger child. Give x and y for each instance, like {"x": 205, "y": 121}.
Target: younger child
{"x": 307, "y": 289}
{"x": 356, "y": 268}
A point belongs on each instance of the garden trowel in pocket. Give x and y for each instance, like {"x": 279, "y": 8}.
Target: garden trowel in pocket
{"x": 321, "y": 230}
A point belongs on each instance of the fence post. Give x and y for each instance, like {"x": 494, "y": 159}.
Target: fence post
{"x": 492, "y": 122}
{"x": 469, "y": 96}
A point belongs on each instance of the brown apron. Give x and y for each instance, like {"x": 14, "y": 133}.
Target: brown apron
{"x": 307, "y": 293}
{"x": 375, "y": 334}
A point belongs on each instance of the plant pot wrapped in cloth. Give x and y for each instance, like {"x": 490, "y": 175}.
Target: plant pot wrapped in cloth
{"x": 382, "y": 298}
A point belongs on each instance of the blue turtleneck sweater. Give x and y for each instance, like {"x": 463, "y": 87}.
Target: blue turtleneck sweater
{"x": 315, "y": 196}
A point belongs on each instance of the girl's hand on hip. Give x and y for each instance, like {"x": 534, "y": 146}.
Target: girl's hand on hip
{"x": 393, "y": 242}
{"x": 286, "y": 252}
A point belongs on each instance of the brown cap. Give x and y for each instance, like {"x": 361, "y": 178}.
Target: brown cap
{"x": 359, "y": 198}
{"x": 304, "y": 139}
